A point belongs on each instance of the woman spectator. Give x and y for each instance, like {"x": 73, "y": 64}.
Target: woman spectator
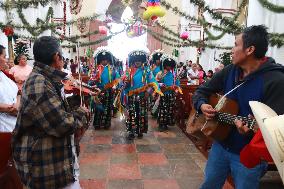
{"x": 201, "y": 74}
{"x": 21, "y": 70}
{"x": 193, "y": 75}
{"x": 8, "y": 98}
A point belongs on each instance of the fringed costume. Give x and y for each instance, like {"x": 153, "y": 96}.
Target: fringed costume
{"x": 106, "y": 78}
{"x": 169, "y": 86}
{"x": 139, "y": 81}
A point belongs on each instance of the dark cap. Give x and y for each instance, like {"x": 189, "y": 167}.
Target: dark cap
{"x": 44, "y": 49}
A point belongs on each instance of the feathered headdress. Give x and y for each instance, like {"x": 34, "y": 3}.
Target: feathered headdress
{"x": 137, "y": 56}
{"x": 102, "y": 53}
{"x": 168, "y": 60}
{"x": 156, "y": 55}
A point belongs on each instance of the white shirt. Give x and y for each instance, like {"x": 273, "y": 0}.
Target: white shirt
{"x": 8, "y": 95}
{"x": 190, "y": 72}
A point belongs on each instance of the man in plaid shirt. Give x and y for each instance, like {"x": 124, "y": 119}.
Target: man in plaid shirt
{"x": 43, "y": 142}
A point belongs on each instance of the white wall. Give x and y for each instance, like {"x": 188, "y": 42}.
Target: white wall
{"x": 207, "y": 56}
{"x": 273, "y": 21}
{"x": 31, "y": 14}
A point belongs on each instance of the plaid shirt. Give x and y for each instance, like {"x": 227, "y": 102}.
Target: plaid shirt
{"x": 42, "y": 147}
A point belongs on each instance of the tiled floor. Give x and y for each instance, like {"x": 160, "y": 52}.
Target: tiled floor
{"x": 167, "y": 160}
{"x": 158, "y": 161}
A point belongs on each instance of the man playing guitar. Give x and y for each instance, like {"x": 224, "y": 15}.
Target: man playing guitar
{"x": 260, "y": 79}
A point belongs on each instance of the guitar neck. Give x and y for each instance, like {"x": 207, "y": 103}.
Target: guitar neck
{"x": 229, "y": 119}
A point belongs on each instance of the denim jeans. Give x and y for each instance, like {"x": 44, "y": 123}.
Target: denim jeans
{"x": 222, "y": 163}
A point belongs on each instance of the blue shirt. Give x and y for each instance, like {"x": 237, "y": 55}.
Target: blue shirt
{"x": 156, "y": 70}
{"x": 168, "y": 80}
{"x": 105, "y": 77}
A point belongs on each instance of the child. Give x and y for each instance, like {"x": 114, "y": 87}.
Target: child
{"x": 138, "y": 82}
{"x": 169, "y": 86}
{"x": 106, "y": 78}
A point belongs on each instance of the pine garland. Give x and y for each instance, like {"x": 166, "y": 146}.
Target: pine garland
{"x": 276, "y": 39}
{"x": 43, "y": 24}
{"x": 210, "y": 36}
{"x": 94, "y": 42}
{"x": 231, "y": 26}
{"x": 226, "y": 21}
{"x": 75, "y": 38}
{"x": 187, "y": 43}
{"x": 27, "y": 3}
{"x": 271, "y": 7}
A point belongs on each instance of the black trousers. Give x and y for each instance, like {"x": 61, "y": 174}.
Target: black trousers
{"x": 137, "y": 121}
{"x": 102, "y": 116}
{"x": 167, "y": 109}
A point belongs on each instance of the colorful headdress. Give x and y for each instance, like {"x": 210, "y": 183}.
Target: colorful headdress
{"x": 103, "y": 54}
{"x": 156, "y": 55}
{"x": 168, "y": 60}
{"x": 137, "y": 56}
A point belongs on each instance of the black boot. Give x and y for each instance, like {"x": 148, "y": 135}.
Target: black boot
{"x": 130, "y": 136}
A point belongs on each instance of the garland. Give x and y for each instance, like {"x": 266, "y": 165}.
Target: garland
{"x": 43, "y": 24}
{"x": 26, "y": 3}
{"x": 271, "y": 7}
{"x": 231, "y": 26}
{"x": 210, "y": 36}
{"x": 188, "y": 43}
{"x": 74, "y": 38}
{"x": 93, "y": 42}
{"x": 276, "y": 39}
{"x": 228, "y": 22}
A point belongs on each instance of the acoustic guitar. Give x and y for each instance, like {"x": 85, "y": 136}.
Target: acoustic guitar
{"x": 219, "y": 127}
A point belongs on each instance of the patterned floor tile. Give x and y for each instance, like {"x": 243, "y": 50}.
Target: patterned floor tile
{"x": 92, "y": 184}
{"x": 155, "y": 172}
{"x": 124, "y": 158}
{"x": 93, "y": 171}
{"x": 124, "y": 171}
{"x": 96, "y": 158}
{"x": 148, "y": 148}
{"x": 125, "y": 184}
{"x": 102, "y": 140}
{"x": 123, "y": 148}
{"x": 152, "y": 159}
{"x": 161, "y": 184}
{"x": 98, "y": 148}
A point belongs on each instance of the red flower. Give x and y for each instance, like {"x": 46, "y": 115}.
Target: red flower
{"x": 9, "y": 31}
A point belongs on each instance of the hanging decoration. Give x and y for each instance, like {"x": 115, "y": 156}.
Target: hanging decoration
{"x": 184, "y": 35}
{"x": 175, "y": 53}
{"x": 64, "y": 18}
{"x": 75, "y": 6}
{"x": 103, "y": 30}
{"x": 89, "y": 52}
{"x": 9, "y": 31}
{"x": 272, "y": 7}
{"x": 21, "y": 47}
{"x": 82, "y": 25}
{"x": 135, "y": 30}
{"x": 154, "y": 10}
